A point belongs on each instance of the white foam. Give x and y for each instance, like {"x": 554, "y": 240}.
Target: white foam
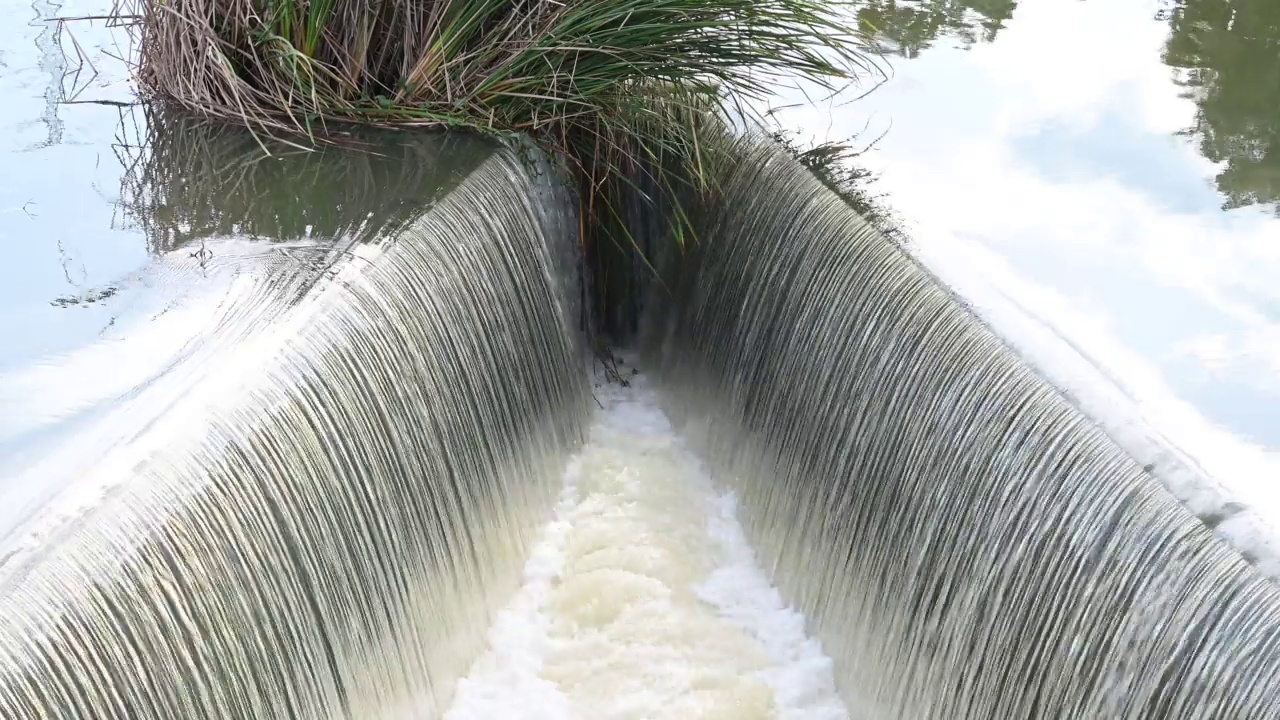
{"x": 643, "y": 598}
{"x": 799, "y": 673}
{"x": 506, "y": 682}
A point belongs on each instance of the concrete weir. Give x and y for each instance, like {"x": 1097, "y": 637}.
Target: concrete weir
{"x": 380, "y": 487}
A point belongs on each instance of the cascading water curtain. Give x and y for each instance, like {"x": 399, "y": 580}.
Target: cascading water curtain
{"x": 323, "y": 525}
{"x": 967, "y": 543}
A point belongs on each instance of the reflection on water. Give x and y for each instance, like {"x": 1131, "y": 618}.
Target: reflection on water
{"x": 59, "y": 179}
{"x": 228, "y": 225}
{"x": 910, "y": 26}
{"x": 1226, "y": 52}
{"x": 193, "y": 180}
{"x": 51, "y": 62}
{"x": 1098, "y": 179}
{"x": 1229, "y": 55}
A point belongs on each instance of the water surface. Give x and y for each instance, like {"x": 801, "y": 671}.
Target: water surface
{"x": 1112, "y": 170}
{"x": 133, "y": 237}
{"x": 64, "y": 242}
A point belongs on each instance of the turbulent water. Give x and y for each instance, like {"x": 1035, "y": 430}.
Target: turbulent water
{"x": 643, "y": 598}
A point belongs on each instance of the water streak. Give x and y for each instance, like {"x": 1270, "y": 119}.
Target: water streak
{"x": 967, "y": 543}
{"x": 323, "y": 520}
{"x": 53, "y": 62}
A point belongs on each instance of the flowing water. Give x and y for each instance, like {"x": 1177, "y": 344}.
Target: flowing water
{"x": 312, "y": 499}
{"x": 1101, "y": 180}
{"x": 308, "y": 435}
{"x": 643, "y": 599}
{"x": 965, "y": 541}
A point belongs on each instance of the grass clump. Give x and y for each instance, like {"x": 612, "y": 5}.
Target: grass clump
{"x": 607, "y": 84}
{"x": 628, "y": 93}
{"x": 537, "y": 66}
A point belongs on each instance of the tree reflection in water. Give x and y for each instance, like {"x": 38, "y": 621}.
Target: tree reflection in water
{"x": 1228, "y": 56}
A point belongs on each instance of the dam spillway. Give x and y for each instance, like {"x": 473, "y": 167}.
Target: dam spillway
{"x": 386, "y": 483}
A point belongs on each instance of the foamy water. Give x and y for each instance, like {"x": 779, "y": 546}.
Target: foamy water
{"x": 643, "y": 599}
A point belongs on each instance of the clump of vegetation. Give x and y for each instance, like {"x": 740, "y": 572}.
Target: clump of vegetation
{"x": 628, "y": 93}
{"x": 612, "y": 78}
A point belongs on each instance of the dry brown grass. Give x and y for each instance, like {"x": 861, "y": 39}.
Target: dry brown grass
{"x": 578, "y": 74}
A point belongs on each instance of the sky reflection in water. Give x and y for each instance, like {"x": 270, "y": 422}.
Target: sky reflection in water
{"x": 1114, "y": 169}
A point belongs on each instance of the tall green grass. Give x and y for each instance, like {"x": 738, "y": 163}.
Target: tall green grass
{"x": 537, "y": 66}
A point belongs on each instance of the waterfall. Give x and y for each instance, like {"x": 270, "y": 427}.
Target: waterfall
{"x": 316, "y": 512}
{"x": 370, "y": 470}
{"x": 965, "y": 542}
